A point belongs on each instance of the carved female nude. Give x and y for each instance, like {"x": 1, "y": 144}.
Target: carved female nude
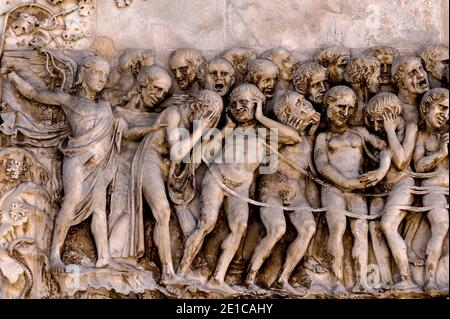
{"x": 339, "y": 156}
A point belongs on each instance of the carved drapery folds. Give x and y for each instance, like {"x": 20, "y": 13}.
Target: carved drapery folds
{"x": 111, "y": 183}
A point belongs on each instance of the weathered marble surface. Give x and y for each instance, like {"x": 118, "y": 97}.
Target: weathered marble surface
{"x": 96, "y": 201}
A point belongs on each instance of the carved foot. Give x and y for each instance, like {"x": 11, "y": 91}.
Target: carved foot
{"x": 360, "y": 288}
{"x": 176, "y": 280}
{"x": 108, "y": 263}
{"x": 340, "y": 291}
{"x": 414, "y": 258}
{"x": 57, "y": 266}
{"x": 431, "y": 287}
{"x": 405, "y": 285}
{"x": 285, "y": 287}
{"x": 221, "y": 287}
{"x": 255, "y": 289}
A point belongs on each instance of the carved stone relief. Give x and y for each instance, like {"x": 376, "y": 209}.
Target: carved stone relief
{"x": 243, "y": 174}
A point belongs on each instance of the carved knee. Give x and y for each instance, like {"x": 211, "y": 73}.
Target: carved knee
{"x": 162, "y": 214}
{"x": 310, "y": 228}
{"x": 277, "y": 231}
{"x": 239, "y": 226}
{"x": 386, "y": 227}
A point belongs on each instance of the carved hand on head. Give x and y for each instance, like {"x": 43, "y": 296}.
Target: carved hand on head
{"x": 390, "y": 122}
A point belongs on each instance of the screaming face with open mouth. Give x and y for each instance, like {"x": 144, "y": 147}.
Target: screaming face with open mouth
{"x": 414, "y": 77}
{"x": 219, "y": 76}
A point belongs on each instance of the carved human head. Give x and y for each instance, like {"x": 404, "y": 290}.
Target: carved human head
{"x": 133, "y": 59}
{"x": 292, "y": 106}
{"x": 184, "y": 64}
{"x": 205, "y": 100}
{"x": 409, "y": 75}
{"x": 340, "y": 105}
{"x": 364, "y": 71}
{"x": 264, "y": 75}
{"x": 381, "y": 104}
{"x": 153, "y": 83}
{"x": 93, "y": 73}
{"x": 386, "y": 55}
{"x": 434, "y": 109}
{"x": 335, "y": 59}
{"x": 435, "y": 59}
{"x": 243, "y": 101}
{"x": 240, "y": 58}
{"x": 217, "y": 75}
{"x": 283, "y": 59}
{"x": 311, "y": 80}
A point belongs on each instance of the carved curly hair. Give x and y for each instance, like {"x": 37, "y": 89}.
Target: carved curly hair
{"x": 383, "y": 103}
{"x": 192, "y": 56}
{"x": 359, "y": 69}
{"x": 239, "y": 58}
{"x": 303, "y": 74}
{"x": 398, "y": 67}
{"x": 432, "y": 96}
{"x": 432, "y": 53}
{"x": 283, "y": 103}
{"x": 328, "y": 56}
{"x": 87, "y": 63}
{"x": 383, "y": 50}
{"x": 254, "y": 70}
{"x": 334, "y": 93}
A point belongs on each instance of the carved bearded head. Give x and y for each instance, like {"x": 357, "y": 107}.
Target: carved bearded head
{"x": 292, "y": 107}
{"x": 217, "y": 75}
{"x": 184, "y": 64}
{"x": 335, "y": 59}
{"x": 283, "y": 59}
{"x": 409, "y": 75}
{"x": 311, "y": 80}
{"x": 435, "y": 59}
{"x": 264, "y": 75}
